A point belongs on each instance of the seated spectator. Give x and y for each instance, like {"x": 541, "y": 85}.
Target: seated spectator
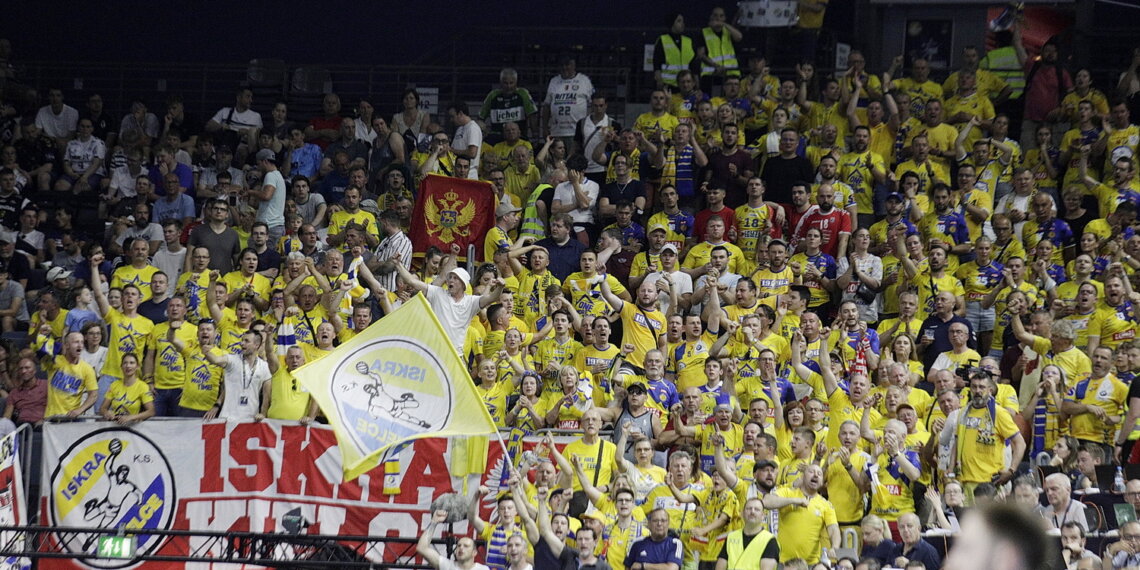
{"x": 346, "y": 142}
{"x": 140, "y": 125}
{"x": 323, "y": 130}
{"x": 129, "y": 400}
{"x": 27, "y": 398}
{"x": 82, "y": 162}
{"x": 57, "y": 119}
{"x": 913, "y": 547}
{"x": 105, "y": 126}
{"x": 509, "y": 104}
{"x": 237, "y": 127}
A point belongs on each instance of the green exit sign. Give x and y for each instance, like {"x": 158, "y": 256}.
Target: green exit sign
{"x": 117, "y": 546}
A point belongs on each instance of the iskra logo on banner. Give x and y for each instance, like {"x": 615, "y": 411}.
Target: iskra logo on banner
{"x": 112, "y": 478}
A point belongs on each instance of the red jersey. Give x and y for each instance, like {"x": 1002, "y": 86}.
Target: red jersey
{"x": 702, "y": 220}
{"x": 830, "y": 225}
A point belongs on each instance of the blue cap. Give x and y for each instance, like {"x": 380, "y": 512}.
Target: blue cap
{"x": 896, "y": 196}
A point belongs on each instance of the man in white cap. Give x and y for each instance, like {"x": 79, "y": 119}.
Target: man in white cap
{"x": 670, "y": 278}
{"x": 59, "y": 282}
{"x": 452, "y": 305}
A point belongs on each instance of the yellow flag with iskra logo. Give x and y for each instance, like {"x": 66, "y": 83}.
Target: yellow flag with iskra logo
{"x": 398, "y": 380}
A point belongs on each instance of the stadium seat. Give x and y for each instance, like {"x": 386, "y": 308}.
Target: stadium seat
{"x": 307, "y": 90}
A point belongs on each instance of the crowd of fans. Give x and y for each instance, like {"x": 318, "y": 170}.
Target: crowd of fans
{"x": 798, "y": 305}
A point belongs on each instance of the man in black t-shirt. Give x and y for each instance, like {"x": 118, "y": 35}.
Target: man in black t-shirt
{"x": 780, "y": 172}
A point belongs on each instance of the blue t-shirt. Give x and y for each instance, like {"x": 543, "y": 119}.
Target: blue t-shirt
{"x": 651, "y": 551}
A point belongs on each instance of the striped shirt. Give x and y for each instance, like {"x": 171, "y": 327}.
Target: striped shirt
{"x": 397, "y": 243}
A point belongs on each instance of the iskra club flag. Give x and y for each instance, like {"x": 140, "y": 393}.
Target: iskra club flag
{"x": 398, "y": 380}
{"x": 452, "y": 211}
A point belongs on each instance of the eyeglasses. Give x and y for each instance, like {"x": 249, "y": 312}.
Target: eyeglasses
{"x": 1130, "y": 537}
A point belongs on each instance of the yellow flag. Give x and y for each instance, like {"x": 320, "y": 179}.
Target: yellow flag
{"x": 397, "y": 381}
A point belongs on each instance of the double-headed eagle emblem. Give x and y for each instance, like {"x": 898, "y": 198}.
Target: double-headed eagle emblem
{"x": 449, "y": 217}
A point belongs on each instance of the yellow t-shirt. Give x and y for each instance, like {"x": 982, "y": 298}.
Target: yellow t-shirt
{"x": 976, "y": 104}
{"x": 57, "y": 324}
{"x": 647, "y": 124}
{"x": 586, "y": 293}
{"x": 259, "y": 284}
{"x": 641, "y": 328}
{"x": 202, "y": 378}
{"x": 342, "y": 218}
{"x": 128, "y": 400}
{"x": 687, "y": 360}
{"x": 588, "y": 456}
{"x": 981, "y": 442}
{"x": 841, "y": 410}
{"x": 130, "y": 275}
{"x": 1109, "y": 394}
{"x": 701, "y": 253}
{"x": 195, "y": 285}
{"x": 128, "y": 335}
{"x": 68, "y": 385}
{"x": 858, "y": 170}
{"x": 845, "y": 496}
{"x": 288, "y": 399}
{"x": 802, "y": 528}
{"x": 169, "y": 365}
{"x": 1113, "y": 326}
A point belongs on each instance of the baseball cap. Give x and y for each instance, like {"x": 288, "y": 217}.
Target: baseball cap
{"x": 764, "y": 463}
{"x": 462, "y": 274}
{"x": 223, "y": 148}
{"x": 594, "y": 514}
{"x": 896, "y": 196}
{"x": 669, "y": 247}
{"x": 636, "y": 385}
{"x": 58, "y": 273}
{"x": 778, "y": 241}
{"x": 266, "y": 154}
{"x": 655, "y": 227}
{"x": 506, "y": 208}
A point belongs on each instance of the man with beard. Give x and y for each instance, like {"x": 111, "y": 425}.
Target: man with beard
{"x": 828, "y": 174}
{"x": 834, "y": 225}
{"x": 781, "y": 172}
{"x": 731, "y": 166}
{"x": 863, "y": 170}
{"x": 897, "y": 213}
{"x": 979, "y": 433}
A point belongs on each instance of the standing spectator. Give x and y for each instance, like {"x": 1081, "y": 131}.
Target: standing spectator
{"x": 271, "y": 196}
{"x": 27, "y": 400}
{"x": 509, "y": 103}
{"x": 304, "y": 158}
{"x": 57, "y": 119}
{"x": 784, "y": 170}
{"x": 1009, "y": 539}
{"x": 715, "y": 50}
{"x": 672, "y": 52}
{"x": 171, "y": 255}
{"x": 577, "y": 198}
{"x": 217, "y": 236}
{"x": 394, "y": 248}
{"x": 590, "y": 135}
{"x": 468, "y": 140}
{"x": 465, "y": 550}
{"x": 660, "y": 550}
{"x": 834, "y": 224}
{"x": 565, "y": 252}
{"x": 730, "y": 167}
{"x": 1046, "y": 83}
{"x": 567, "y": 100}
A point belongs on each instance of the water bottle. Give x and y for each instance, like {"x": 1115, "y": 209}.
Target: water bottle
{"x": 1118, "y": 481}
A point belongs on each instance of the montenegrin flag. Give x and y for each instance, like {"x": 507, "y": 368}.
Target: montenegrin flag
{"x": 396, "y": 381}
{"x": 452, "y": 210}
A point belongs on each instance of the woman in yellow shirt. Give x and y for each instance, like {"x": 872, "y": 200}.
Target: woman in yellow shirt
{"x": 129, "y": 399}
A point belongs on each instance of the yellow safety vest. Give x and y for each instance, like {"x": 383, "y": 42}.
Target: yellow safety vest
{"x": 739, "y": 557}
{"x": 676, "y": 59}
{"x": 720, "y": 50}
{"x": 1003, "y": 63}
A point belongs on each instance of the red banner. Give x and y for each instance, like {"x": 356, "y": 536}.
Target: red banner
{"x": 452, "y": 211}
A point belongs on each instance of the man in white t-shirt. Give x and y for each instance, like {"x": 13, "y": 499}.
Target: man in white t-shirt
{"x": 591, "y": 132}
{"x": 468, "y": 139}
{"x": 577, "y": 197}
{"x": 239, "y": 399}
{"x": 83, "y": 161}
{"x": 451, "y": 304}
{"x": 567, "y": 101}
{"x": 673, "y": 278}
{"x": 56, "y": 119}
{"x": 239, "y": 119}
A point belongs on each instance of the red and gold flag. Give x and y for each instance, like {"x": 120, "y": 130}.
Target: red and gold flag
{"x": 452, "y": 211}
